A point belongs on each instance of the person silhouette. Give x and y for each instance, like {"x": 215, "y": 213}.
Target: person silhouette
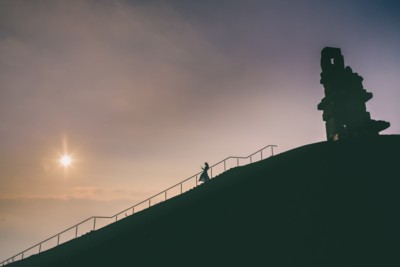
{"x": 204, "y": 176}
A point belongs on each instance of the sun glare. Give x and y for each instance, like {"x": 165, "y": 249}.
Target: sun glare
{"x": 65, "y": 160}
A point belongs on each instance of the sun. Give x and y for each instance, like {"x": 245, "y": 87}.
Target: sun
{"x": 65, "y": 160}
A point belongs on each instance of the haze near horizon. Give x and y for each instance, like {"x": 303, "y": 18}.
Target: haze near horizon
{"x": 142, "y": 93}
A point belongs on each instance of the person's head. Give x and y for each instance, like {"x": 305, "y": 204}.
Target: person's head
{"x": 206, "y": 163}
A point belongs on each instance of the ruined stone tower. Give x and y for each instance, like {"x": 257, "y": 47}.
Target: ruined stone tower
{"x": 344, "y": 110}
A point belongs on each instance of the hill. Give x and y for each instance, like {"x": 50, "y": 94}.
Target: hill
{"x": 324, "y": 204}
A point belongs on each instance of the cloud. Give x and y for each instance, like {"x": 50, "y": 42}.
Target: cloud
{"x": 105, "y": 69}
{"x": 138, "y": 80}
{"x": 147, "y": 90}
{"x": 86, "y": 193}
{"x": 95, "y": 193}
{"x": 125, "y": 81}
{"x": 24, "y": 221}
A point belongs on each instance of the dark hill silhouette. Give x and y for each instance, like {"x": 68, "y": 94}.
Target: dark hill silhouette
{"x": 325, "y": 204}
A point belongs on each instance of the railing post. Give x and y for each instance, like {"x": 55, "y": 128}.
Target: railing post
{"x": 22, "y": 254}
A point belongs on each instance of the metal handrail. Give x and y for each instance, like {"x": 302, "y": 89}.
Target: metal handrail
{"x": 165, "y": 192}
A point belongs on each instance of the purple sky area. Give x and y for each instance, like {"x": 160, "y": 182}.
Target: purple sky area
{"x": 141, "y": 93}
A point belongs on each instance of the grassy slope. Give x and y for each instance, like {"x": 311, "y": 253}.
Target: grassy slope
{"x": 325, "y": 204}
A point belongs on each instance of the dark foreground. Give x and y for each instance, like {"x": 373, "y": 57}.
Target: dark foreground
{"x": 326, "y": 204}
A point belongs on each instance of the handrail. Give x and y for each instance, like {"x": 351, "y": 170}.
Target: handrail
{"x": 165, "y": 192}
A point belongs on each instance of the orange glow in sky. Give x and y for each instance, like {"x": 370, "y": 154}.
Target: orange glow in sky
{"x": 105, "y": 103}
{"x": 65, "y": 161}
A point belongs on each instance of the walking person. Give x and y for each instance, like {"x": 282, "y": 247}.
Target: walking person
{"x": 204, "y": 176}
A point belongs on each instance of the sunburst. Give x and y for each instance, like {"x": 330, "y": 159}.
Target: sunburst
{"x": 65, "y": 161}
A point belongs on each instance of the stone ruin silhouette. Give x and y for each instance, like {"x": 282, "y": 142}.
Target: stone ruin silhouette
{"x": 344, "y": 110}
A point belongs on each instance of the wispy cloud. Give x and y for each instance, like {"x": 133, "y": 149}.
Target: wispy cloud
{"x": 26, "y": 220}
{"x": 86, "y": 193}
{"x": 148, "y": 90}
{"x": 116, "y": 76}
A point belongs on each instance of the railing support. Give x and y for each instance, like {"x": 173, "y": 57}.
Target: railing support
{"x": 39, "y": 245}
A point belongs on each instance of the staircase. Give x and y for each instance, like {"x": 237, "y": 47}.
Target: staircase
{"x": 96, "y": 222}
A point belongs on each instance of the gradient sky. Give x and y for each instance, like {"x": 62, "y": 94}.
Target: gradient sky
{"x": 141, "y": 93}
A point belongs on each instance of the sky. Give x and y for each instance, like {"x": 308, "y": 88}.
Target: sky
{"x": 142, "y": 93}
